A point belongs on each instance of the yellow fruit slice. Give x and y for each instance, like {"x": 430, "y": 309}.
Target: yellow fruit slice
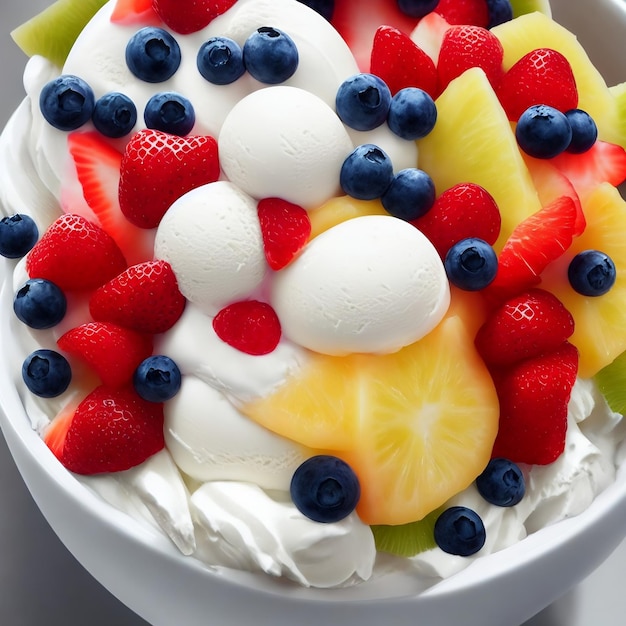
{"x": 536, "y": 30}
{"x": 473, "y": 142}
{"x": 600, "y": 322}
{"x": 521, "y": 7}
{"x": 417, "y": 426}
{"x": 341, "y": 209}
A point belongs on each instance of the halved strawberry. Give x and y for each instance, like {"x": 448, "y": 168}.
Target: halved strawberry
{"x": 158, "y": 168}
{"x": 285, "y": 228}
{"x": 543, "y": 76}
{"x": 464, "y": 47}
{"x": 249, "y": 326}
{"x": 145, "y": 298}
{"x": 465, "y": 210}
{"x": 533, "y": 396}
{"x": 535, "y": 243}
{"x": 524, "y": 326}
{"x": 135, "y": 12}
{"x": 190, "y": 16}
{"x": 98, "y": 170}
{"x": 75, "y": 254}
{"x": 112, "y": 351}
{"x": 402, "y": 63}
{"x": 111, "y": 430}
{"x": 471, "y": 12}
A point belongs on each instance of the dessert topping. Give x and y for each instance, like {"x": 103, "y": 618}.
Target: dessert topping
{"x": 46, "y": 373}
{"x": 459, "y": 530}
{"x": 591, "y": 273}
{"x": 471, "y": 264}
{"x": 18, "y": 234}
{"x": 502, "y": 483}
{"x": 157, "y": 378}
{"x": 39, "y": 304}
{"x": 153, "y": 55}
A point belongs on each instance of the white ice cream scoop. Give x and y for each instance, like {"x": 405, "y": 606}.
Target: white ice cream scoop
{"x": 370, "y": 284}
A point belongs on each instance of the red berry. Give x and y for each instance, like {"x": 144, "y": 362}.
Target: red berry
{"x": 109, "y": 350}
{"x": 285, "y": 228}
{"x": 471, "y": 12}
{"x": 135, "y": 12}
{"x": 75, "y": 254}
{"x": 145, "y": 298}
{"x": 543, "y": 76}
{"x": 534, "y": 395}
{"x": 249, "y": 326}
{"x": 536, "y": 242}
{"x": 190, "y": 16}
{"x": 464, "y": 47}
{"x": 158, "y": 168}
{"x": 402, "y": 63}
{"x": 111, "y": 430}
{"x": 523, "y": 327}
{"x": 463, "y": 211}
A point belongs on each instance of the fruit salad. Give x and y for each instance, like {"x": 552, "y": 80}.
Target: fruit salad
{"x": 317, "y": 290}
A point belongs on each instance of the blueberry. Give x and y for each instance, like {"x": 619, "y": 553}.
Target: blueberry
{"x": 114, "y": 115}
{"x": 325, "y": 489}
{"x": 471, "y": 264}
{"x": 153, "y": 55}
{"x": 170, "y": 113}
{"x": 363, "y": 102}
{"x": 410, "y": 195}
{"x": 325, "y": 8}
{"x": 46, "y": 373}
{"x": 40, "y": 304}
{"x": 18, "y": 235}
{"x": 157, "y": 378}
{"x": 591, "y": 273}
{"x": 584, "y": 131}
{"x": 220, "y": 61}
{"x": 459, "y": 530}
{"x": 270, "y": 55}
{"x": 417, "y": 8}
{"x": 500, "y": 11}
{"x": 501, "y": 483}
{"x": 543, "y": 132}
{"x": 412, "y": 114}
{"x": 67, "y": 102}
{"x": 366, "y": 173}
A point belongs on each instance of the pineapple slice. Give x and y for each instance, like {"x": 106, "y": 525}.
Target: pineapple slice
{"x": 417, "y": 426}
{"x": 600, "y": 332}
{"x": 536, "y": 30}
{"x": 473, "y": 142}
{"x": 341, "y": 209}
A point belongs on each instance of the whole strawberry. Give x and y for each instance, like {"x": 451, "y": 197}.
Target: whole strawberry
{"x": 75, "y": 254}
{"x": 89, "y": 441}
{"x": 158, "y": 168}
{"x": 190, "y": 16}
{"x": 145, "y": 298}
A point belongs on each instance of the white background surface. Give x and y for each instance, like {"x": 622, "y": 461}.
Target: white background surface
{"x": 41, "y": 583}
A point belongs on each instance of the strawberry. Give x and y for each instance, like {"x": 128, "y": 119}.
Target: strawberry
{"x": 190, "y": 16}
{"x": 523, "y": 327}
{"x": 249, "y": 326}
{"x": 111, "y": 351}
{"x": 402, "y": 63}
{"x": 75, "y": 254}
{"x": 98, "y": 169}
{"x": 470, "y": 12}
{"x": 543, "y": 76}
{"x": 465, "y": 210}
{"x": 533, "y": 396}
{"x": 129, "y": 12}
{"x": 145, "y": 298}
{"x": 464, "y": 47}
{"x": 158, "y": 168}
{"x": 534, "y": 244}
{"x": 285, "y": 228}
{"x": 111, "y": 430}
{"x": 603, "y": 162}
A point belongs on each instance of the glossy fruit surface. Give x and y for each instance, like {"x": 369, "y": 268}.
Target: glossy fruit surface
{"x": 18, "y": 234}
{"x": 40, "y": 304}
{"x": 502, "y": 483}
{"x": 460, "y": 531}
{"x": 46, "y": 373}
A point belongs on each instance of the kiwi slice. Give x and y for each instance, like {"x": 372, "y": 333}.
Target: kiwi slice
{"x": 611, "y": 381}
{"x": 52, "y": 32}
{"x": 521, "y": 7}
{"x": 407, "y": 539}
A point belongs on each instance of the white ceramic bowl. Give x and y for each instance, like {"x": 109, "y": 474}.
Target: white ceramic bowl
{"x": 147, "y": 573}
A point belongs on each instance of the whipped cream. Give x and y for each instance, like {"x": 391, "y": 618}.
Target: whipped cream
{"x": 220, "y": 489}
